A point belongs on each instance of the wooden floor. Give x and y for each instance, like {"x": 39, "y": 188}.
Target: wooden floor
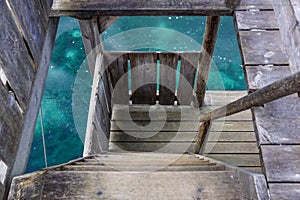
{"x": 277, "y": 124}
{"x": 231, "y": 140}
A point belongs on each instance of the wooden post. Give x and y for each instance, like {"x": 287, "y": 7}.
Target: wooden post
{"x": 276, "y": 90}
{"x": 208, "y": 46}
{"x": 202, "y": 136}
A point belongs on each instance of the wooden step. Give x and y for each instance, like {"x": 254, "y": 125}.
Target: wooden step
{"x": 90, "y": 167}
{"x": 140, "y": 185}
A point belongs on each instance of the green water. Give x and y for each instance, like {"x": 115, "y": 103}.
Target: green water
{"x": 67, "y": 91}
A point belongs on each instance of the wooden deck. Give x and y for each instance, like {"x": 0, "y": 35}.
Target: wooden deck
{"x": 174, "y": 129}
{"x": 277, "y": 124}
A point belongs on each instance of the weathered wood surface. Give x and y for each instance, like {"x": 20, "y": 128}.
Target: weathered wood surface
{"x": 33, "y": 24}
{"x": 188, "y": 68}
{"x": 242, "y": 160}
{"x": 261, "y": 76}
{"x": 281, "y": 163}
{"x": 143, "y": 77}
{"x": 86, "y": 185}
{"x": 256, "y": 20}
{"x": 167, "y": 87}
{"x": 15, "y": 59}
{"x": 231, "y": 148}
{"x": 269, "y": 49}
{"x": 208, "y": 47}
{"x": 118, "y": 71}
{"x": 118, "y": 8}
{"x": 284, "y": 191}
{"x": 30, "y": 116}
{"x": 278, "y": 122}
{"x": 98, "y": 125}
{"x": 288, "y": 15}
{"x": 221, "y": 98}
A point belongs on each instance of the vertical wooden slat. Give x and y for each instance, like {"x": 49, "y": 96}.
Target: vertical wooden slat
{"x": 167, "y": 80}
{"x": 98, "y": 125}
{"x": 143, "y": 75}
{"x": 208, "y": 46}
{"x": 118, "y": 68}
{"x": 188, "y": 68}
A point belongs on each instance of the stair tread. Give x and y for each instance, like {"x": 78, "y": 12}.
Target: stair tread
{"x": 130, "y": 185}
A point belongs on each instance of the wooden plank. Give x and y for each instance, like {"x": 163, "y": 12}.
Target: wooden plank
{"x": 288, "y": 15}
{"x": 143, "y": 77}
{"x": 281, "y": 163}
{"x": 261, "y": 76}
{"x": 118, "y": 68}
{"x": 85, "y": 185}
{"x": 278, "y": 122}
{"x": 14, "y": 57}
{"x": 231, "y": 137}
{"x": 80, "y": 8}
{"x": 32, "y": 20}
{"x": 255, "y": 19}
{"x": 254, "y": 5}
{"x": 270, "y": 49}
{"x": 245, "y": 160}
{"x": 188, "y": 68}
{"x": 167, "y": 80}
{"x": 208, "y": 47}
{"x": 284, "y": 191}
{"x": 222, "y": 97}
{"x": 254, "y": 169}
{"x": 230, "y": 147}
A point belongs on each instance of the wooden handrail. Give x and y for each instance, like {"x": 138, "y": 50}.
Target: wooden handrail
{"x": 276, "y": 90}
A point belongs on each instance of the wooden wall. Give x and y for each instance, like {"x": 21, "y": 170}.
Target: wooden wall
{"x": 23, "y": 69}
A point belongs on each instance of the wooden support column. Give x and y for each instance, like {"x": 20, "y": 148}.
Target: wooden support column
{"x": 91, "y": 30}
{"x": 208, "y": 46}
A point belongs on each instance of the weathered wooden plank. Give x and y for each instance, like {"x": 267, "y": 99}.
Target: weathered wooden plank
{"x": 254, "y": 4}
{"x": 245, "y": 160}
{"x": 188, "y": 68}
{"x": 118, "y": 71}
{"x": 143, "y": 77}
{"x": 255, "y": 20}
{"x": 81, "y": 8}
{"x": 284, "y": 191}
{"x": 167, "y": 80}
{"x": 169, "y": 113}
{"x": 163, "y": 147}
{"x": 10, "y": 131}
{"x": 281, "y": 163}
{"x": 288, "y": 15}
{"x": 230, "y": 147}
{"x": 269, "y": 49}
{"x": 14, "y": 57}
{"x": 97, "y": 132}
{"x": 278, "y": 122}
{"x": 185, "y": 126}
{"x": 254, "y": 169}
{"x": 208, "y": 47}
{"x": 222, "y": 97}
{"x": 92, "y": 185}
{"x": 231, "y": 137}
{"x": 261, "y": 76}
{"x": 32, "y": 20}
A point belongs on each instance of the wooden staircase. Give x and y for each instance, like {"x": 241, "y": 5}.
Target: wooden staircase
{"x": 140, "y": 176}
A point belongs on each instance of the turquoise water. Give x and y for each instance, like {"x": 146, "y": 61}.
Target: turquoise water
{"x": 67, "y": 91}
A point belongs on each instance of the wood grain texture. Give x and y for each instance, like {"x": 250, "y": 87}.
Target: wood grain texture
{"x": 143, "y": 77}
{"x": 81, "y": 8}
{"x": 208, "y": 47}
{"x": 269, "y": 49}
{"x": 284, "y": 191}
{"x": 14, "y": 57}
{"x": 281, "y": 163}
{"x": 167, "y": 80}
{"x": 118, "y": 71}
{"x": 241, "y": 160}
{"x": 288, "y": 15}
{"x": 278, "y": 122}
{"x": 255, "y": 20}
{"x": 188, "y": 68}
{"x": 261, "y": 76}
